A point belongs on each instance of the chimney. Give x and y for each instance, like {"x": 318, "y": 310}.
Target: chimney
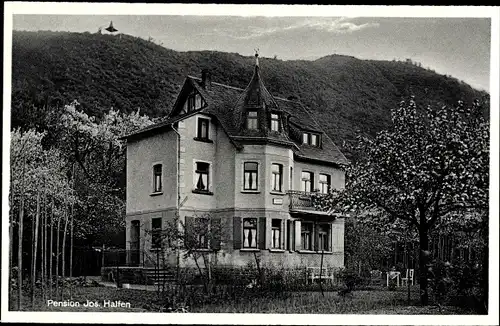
{"x": 206, "y": 79}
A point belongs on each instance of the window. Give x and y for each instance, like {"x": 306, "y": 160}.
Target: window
{"x": 314, "y": 140}
{"x": 250, "y": 174}
{"x": 201, "y": 176}
{"x": 202, "y": 132}
{"x": 190, "y": 103}
{"x": 275, "y": 122}
{"x": 194, "y": 101}
{"x": 306, "y": 236}
{"x": 252, "y": 122}
{"x": 276, "y": 234}
{"x": 324, "y": 183}
{"x": 202, "y": 232}
{"x": 307, "y": 181}
{"x": 157, "y": 178}
{"x": 249, "y": 233}
{"x": 156, "y": 233}
{"x": 198, "y": 101}
{"x": 323, "y": 231}
{"x": 305, "y": 138}
{"x": 311, "y": 139}
{"x": 276, "y": 178}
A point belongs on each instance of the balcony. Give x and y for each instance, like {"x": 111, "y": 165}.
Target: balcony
{"x": 303, "y": 202}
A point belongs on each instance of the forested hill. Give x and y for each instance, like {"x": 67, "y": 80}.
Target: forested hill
{"x": 343, "y": 93}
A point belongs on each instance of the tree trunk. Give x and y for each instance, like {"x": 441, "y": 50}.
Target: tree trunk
{"x": 71, "y": 252}
{"x": 20, "y": 254}
{"x": 51, "y": 247}
{"x": 44, "y": 245}
{"x": 11, "y": 240}
{"x": 71, "y": 236}
{"x": 485, "y": 264}
{"x": 202, "y": 275}
{"x": 423, "y": 263}
{"x": 321, "y": 273}
{"x": 35, "y": 251}
{"x": 64, "y": 249}
{"x": 57, "y": 255}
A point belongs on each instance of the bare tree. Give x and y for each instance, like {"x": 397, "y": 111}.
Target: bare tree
{"x": 35, "y": 251}
{"x": 64, "y": 249}
{"x": 20, "y": 253}
{"x": 57, "y": 254}
{"x": 44, "y": 244}
{"x": 197, "y": 237}
{"x": 51, "y": 247}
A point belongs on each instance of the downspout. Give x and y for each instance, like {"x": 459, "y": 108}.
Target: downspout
{"x": 178, "y": 164}
{"x": 178, "y": 191}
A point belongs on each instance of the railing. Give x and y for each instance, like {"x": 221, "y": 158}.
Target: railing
{"x": 303, "y": 201}
{"x": 121, "y": 257}
{"x": 113, "y": 257}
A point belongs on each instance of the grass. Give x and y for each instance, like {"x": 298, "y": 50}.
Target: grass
{"x": 378, "y": 301}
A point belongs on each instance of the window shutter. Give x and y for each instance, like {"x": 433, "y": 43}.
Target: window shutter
{"x": 237, "y": 232}
{"x": 215, "y": 233}
{"x": 341, "y": 237}
{"x": 188, "y": 231}
{"x": 338, "y": 237}
{"x": 283, "y": 234}
{"x": 316, "y": 236}
{"x": 298, "y": 239}
{"x": 289, "y": 235}
{"x": 334, "y": 238}
{"x": 262, "y": 233}
{"x": 330, "y": 242}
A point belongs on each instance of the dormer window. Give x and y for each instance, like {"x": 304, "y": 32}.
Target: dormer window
{"x": 193, "y": 102}
{"x": 275, "y": 122}
{"x": 314, "y": 140}
{"x": 252, "y": 121}
{"x": 311, "y": 139}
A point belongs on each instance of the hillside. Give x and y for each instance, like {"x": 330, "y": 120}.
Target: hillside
{"x": 343, "y": 93}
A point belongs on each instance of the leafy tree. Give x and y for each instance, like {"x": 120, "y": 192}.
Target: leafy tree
{"x": 365, "y": 246}
{"x": 76, "y": 162}
{"x": 430, "y": 168}
{"x": 99, "y": 157}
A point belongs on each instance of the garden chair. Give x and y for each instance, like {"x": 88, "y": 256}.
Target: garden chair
{"x": 410, "y": 273}
{"x": 313, "y": 273}
{"x": 393, "y": 275}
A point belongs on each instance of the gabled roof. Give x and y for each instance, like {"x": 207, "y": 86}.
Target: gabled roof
{"x": 228, "y": 105}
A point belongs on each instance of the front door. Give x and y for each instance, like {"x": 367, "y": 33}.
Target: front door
{"x": 135, "y": 245}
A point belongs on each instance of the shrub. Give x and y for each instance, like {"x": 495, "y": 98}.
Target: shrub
{"x": 457, "y": 284}
{"x": 350, "y": 279}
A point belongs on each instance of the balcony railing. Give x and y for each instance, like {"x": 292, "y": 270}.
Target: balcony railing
{"x": 303, "y": 201}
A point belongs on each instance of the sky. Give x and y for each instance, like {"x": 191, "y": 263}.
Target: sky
{"x": 459, "y": 47}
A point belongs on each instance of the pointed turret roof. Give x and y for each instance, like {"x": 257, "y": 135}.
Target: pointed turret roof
{"x": 256, "y": 94}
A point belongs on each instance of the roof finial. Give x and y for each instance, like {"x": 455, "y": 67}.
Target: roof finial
{"x": 256, "y": 57}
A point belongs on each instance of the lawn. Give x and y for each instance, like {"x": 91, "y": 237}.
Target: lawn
{"x": 377, "y": 301}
